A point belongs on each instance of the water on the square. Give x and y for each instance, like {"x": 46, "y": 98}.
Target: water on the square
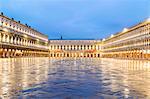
{"x": 74, "y": 78}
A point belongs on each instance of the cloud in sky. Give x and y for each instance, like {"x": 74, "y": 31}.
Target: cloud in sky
{"x": 77, "y": 18}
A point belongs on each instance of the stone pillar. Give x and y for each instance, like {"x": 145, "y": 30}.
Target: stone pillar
{"x": 3, "y": 39}
{"x": 0, "y": 37}
{"x": 7, "y": 38}
{"x": 1, "y": 52}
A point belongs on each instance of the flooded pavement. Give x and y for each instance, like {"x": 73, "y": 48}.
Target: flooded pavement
{"x": 70, "y": 78}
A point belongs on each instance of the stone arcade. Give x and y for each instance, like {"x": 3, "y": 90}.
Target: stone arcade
{"x": 18, "y": 40}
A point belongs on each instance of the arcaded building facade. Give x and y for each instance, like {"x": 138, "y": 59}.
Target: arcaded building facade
{"x": 74, "y": 48}
{"x": 131, "y": 43}
{"x": 17, "y": 39}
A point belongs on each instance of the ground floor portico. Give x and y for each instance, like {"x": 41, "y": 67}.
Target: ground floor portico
{"x": 74, "y": 54}
{"x": 135, "y": 54}
{"x": 19, "y": 51}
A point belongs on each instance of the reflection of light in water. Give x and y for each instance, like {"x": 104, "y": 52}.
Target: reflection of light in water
{"x": 16, "y": 73}
{"x": 25, "y": 72}
{"x": 5, "y": 81}
{"x": 113, "y": 74}
{"x": 134, "y": 74}
{"x": 5, "y": 78}
{"x": 126, "y": 92}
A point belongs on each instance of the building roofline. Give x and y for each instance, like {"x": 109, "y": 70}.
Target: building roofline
{"x": 130, "y": 28}
{"x": 23, "y": 24}
{"x": 74, "y": 39}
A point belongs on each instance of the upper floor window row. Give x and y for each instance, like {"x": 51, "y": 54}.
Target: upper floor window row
{"x": 19, "y": 27}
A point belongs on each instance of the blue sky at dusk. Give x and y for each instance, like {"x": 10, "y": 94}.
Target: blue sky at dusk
{"x": 77, "y": 18}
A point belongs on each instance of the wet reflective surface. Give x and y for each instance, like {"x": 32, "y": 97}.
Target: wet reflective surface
{"x": 81, "y": 78}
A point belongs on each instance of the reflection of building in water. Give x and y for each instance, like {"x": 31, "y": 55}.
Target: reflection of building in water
{"x": 17, "y": 39}
{"x": 132, "y": 76}
{"x": 74, "y": 48}
{"x": 137, "y": 76}
{"x": 133, "y": 42}
{"x": 21, "y": 73}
